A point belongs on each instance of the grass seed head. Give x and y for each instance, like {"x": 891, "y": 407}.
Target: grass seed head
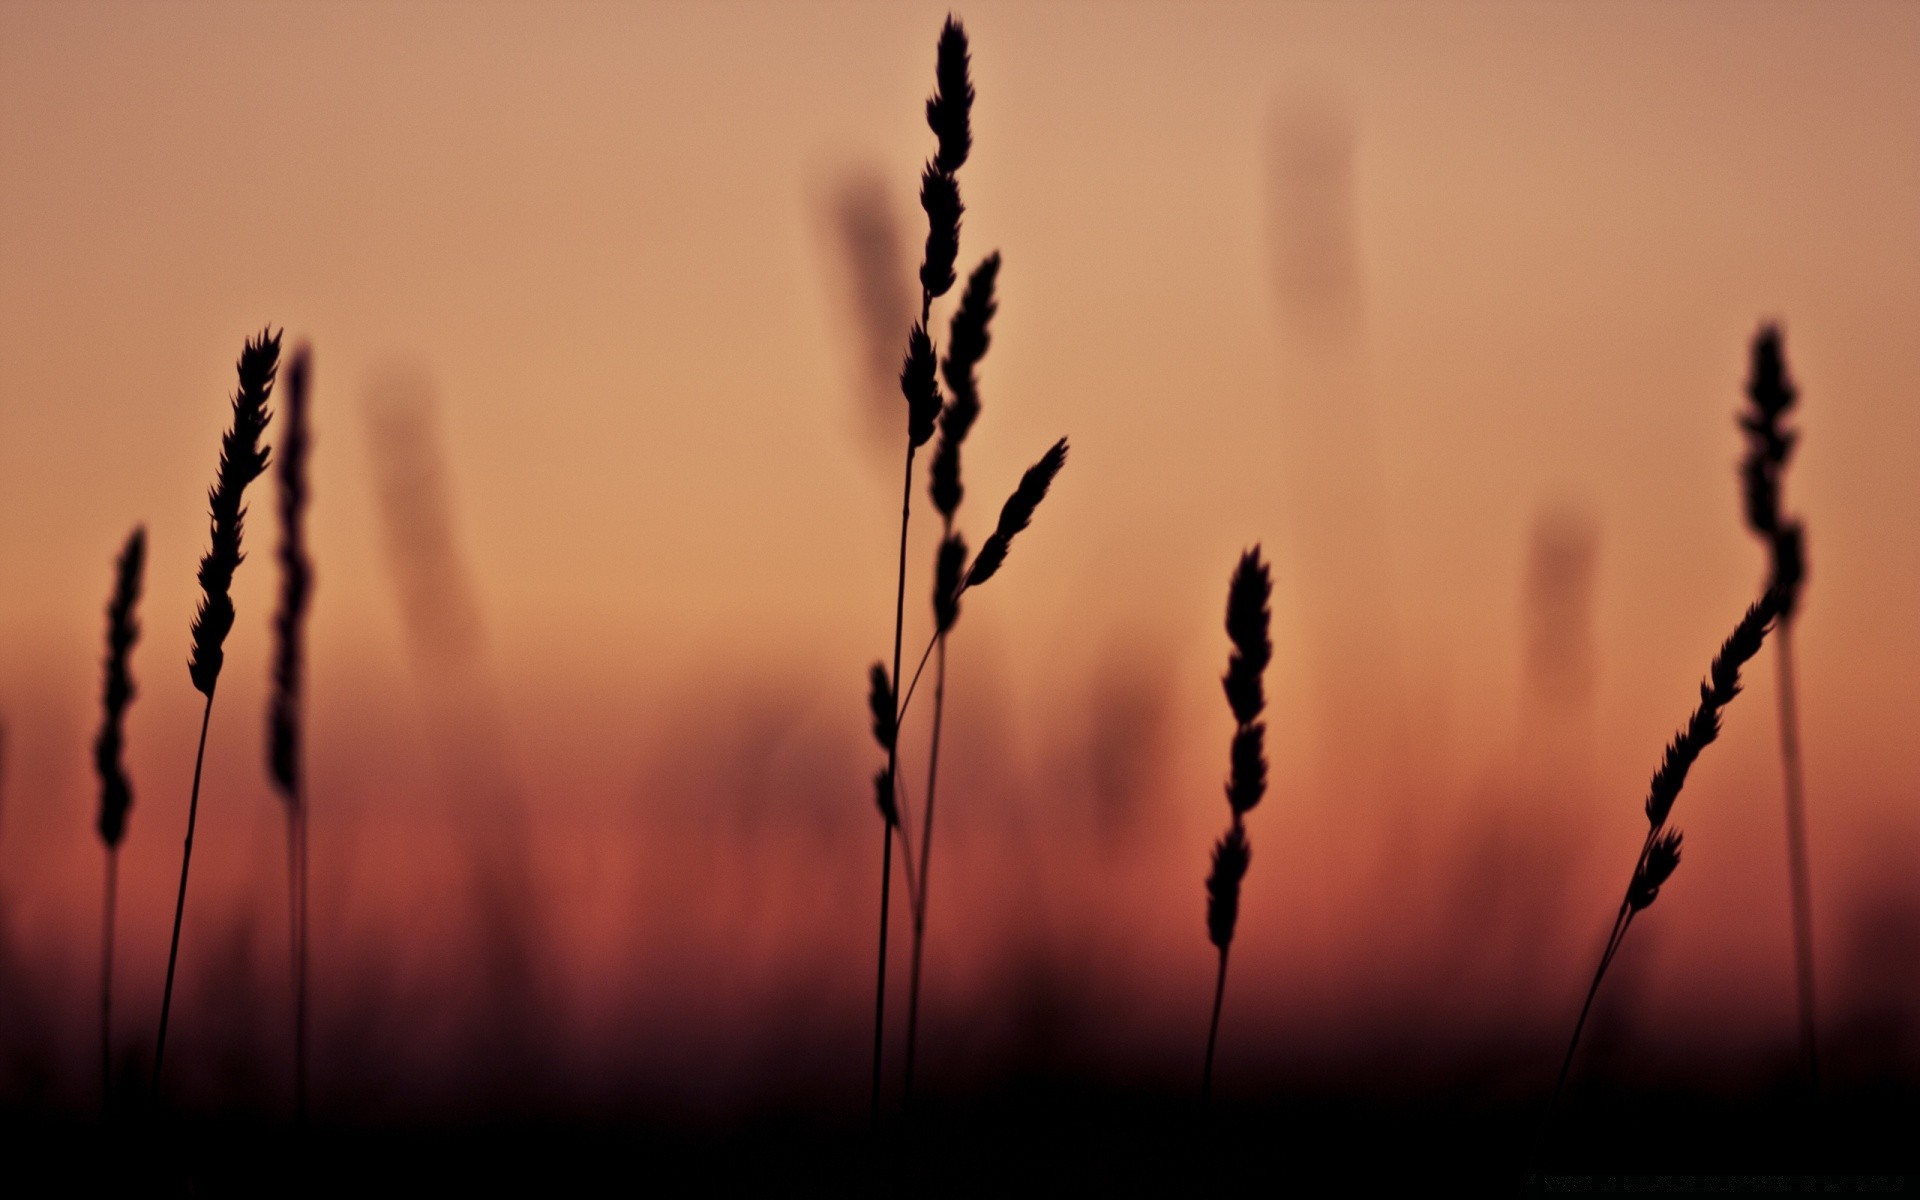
{"x": 940, "y": 197}
{"x": 880, "y": 705}
{"x": 918, "y": 385}
{"x": 1231, "y": 854}
{"x": 949, "y": 107}
{"x": 1247, "y": 620}
{"x": 946, "y": 581}
{"x": 242, "y": 459}
{"x": 1663, "y": 855}
{"x": 296, "y": 583}
{"x": 123, "y": 630}
{"x": 1017, "y": 513}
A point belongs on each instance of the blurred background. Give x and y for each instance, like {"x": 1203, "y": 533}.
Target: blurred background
{"x": 1446, "y": 307}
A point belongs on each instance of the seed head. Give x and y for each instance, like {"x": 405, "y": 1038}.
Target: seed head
{"x": 1663, "y": 855}
{"x": 1231, "y": 855}
{"x": 1017, "y": 513}
{"x": 949, "y": 106}
{"x": 242, "y": 459}
{"x": 918, "y": 385}
{"x": 123, "y": 630}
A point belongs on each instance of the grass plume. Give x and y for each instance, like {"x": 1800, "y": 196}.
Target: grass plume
{"x": 285, "y": 758}
{"x": 109, "y": 762}
{"x": 242, "y": 459}
{"x": 1244, "y": 684}
{"x": 1660, "y": 853}
{"x": 1771, "y": 395}
{"x": 948, "y": 117}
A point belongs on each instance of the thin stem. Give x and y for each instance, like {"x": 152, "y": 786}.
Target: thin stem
{"x": 880, "y": 987}
{"x": 297, "y": 944}
{"x": 106, "y": 979}
{"x": 1799, "y": 875}
{"x": 1614, "y": 939}
{"x": 926, "y": 864}
{"x": 1213, "y": 1028}
{"x": 180, "y": 903}
{"x": 893, "y": 764}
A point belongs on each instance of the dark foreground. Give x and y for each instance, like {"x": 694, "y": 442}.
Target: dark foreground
{"x": 1029, "y": 1138}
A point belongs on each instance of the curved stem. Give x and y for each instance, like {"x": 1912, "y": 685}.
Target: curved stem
{"x": 1213, "y": 1028}
{"x": 926, "y": 863}
{"x": 1799, "y": 874}
{"x": 180, "y": 903}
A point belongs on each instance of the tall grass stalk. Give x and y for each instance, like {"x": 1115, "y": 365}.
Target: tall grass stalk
{"x": 285, "y": 744}
{"x": 967, "y": 341}
{"x": 242, "y": 459}
{"x": 1771, "y": 394}
{"x": 1660, "y": 851}
{"x": 1244, "y": 684}
{"x": 947, "y": 116}
{"x": 109, "y": 762}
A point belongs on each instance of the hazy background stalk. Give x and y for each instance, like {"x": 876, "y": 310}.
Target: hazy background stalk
{"x": 109, "y": 761}
{"x": 242, "y": 459}
{"x": 1771, "y": 395}
{"x": 285, "y": 757}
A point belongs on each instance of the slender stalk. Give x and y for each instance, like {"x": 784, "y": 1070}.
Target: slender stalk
{"x": 1614, "y": 939}
{"x": 1798, "y": 873}
{"x": 180, "y": 902}
{"x": 893, "y": 765}
{"x": 297, "y": 914}
{"x": 1213, "y": 1028}
{"x": 880, "y": 987}
{"x": 106, "y": 979}
{"x": 926, "y": 864}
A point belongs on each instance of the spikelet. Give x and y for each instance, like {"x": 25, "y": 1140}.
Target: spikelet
{"x": 880, "y": 705}
{"x": 940, "y": 198}
{"x": 920, "y": 387}
{"x": 949, "y": 107}
{"x": 967, "y": 340}
{"x": 1017, "y": 513}
{"x": 1231, "y": 854}
{"x": 242, "y": 459}
{"x": 1654, "y": 869}
{"x": 946, "y": 582}
{"x": 296, "y": 586}
{"x": 123, "y": 630}
{"x": 1720, "y": 687}
{"x": 1771, "y": 395}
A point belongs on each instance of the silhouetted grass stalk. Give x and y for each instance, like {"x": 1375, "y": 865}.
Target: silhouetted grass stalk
{"x": 109, "y": 761}
{"x": 1771, "y": 394}
{"x": 1660, "y": 852}
{"x": 940, "y": 197}
{"x": 967, "y": 341}
{"x": 285, "y": 757}
{"x": 1247, "y": 622}
{"x": 242, "y": 459}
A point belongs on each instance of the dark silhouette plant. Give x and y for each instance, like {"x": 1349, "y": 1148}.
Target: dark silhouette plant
{"x": 109, "y": 762}
{"x": 1247, "y": 619}
{"x": 242, "y": 459}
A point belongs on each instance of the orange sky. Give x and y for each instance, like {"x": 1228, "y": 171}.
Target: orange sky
{"x": 1537, "y": 239}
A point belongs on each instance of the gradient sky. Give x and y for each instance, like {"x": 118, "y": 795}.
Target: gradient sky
{"x": 1381, "y": 287}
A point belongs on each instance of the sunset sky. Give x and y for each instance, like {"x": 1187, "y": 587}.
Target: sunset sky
{"x": 1402, "y": 292}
